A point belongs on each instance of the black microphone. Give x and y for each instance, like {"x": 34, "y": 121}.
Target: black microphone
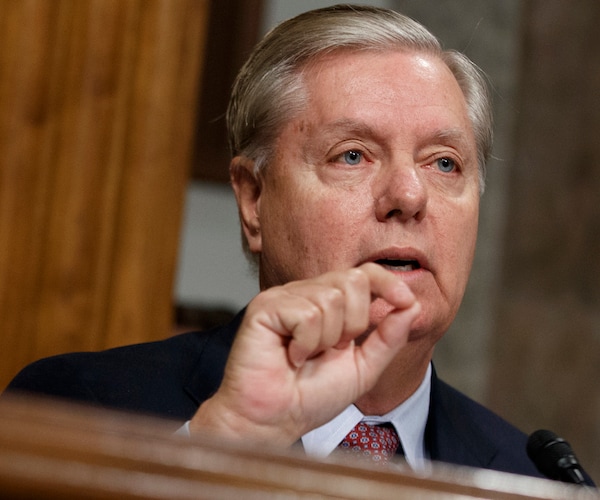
{"x": 554, "y": 457}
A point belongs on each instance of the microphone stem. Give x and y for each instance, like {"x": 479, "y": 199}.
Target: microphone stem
{"x": 573, "y": 475}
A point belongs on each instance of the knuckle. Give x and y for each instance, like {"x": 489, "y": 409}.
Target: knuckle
{"x": 358, "y": 278}
{"x": 312, "y": 314}
{"x": 333, "y": 298}
{"x": 266, "y": 298}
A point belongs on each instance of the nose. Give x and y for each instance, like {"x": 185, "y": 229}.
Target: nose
{"x": 400, "y": 193}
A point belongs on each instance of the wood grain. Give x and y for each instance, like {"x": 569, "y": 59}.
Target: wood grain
{"x": 97, "y": 109}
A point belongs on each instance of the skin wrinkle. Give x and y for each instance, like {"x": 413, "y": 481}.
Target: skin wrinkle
{"x": 311, "y": 217}
{"x": 312, "y": 129}
{"x": 308, "y": 133}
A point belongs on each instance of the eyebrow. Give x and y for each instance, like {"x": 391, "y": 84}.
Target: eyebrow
{"x": 349, "y": 125}
{"x": 340, "y": 128}
{"x": 362, "y": 128}
{"x": 455, "y": 135}
{"x": 452, "y": 136}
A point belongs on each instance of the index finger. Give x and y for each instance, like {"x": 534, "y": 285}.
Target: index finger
{"x": 388, "y": 286}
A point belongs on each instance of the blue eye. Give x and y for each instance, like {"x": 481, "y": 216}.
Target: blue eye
{"x": 446, "y": 164}
{"x": 352, "y": 157}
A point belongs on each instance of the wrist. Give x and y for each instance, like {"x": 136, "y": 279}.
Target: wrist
{"x": 216, "y": 418}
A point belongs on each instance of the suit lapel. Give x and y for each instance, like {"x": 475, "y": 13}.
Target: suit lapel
{"x": 207, "y": 372}
{"x": 452, "y": 434}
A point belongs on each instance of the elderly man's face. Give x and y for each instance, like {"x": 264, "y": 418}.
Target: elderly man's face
{"x": 381, "y": 166}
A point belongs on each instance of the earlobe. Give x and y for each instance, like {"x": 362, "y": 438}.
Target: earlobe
{"x": 247, "y": 188}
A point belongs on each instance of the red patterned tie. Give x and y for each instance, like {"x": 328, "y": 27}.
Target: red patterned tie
{"x": 373, "y": 442}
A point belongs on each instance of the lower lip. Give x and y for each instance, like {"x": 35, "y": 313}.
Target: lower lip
{"x": 413, "y": 274}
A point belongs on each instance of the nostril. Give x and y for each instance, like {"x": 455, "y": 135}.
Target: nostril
{"x": 404, "y": 215}
{"x": 394, "y": 213}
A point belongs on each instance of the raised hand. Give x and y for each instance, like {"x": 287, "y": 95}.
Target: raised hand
{"x": 305, "y": 351}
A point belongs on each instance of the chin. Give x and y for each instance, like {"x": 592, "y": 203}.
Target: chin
{"x": 432, "y": 330}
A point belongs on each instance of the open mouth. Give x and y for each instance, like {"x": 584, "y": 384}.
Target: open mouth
{"x": 399, "y": 265}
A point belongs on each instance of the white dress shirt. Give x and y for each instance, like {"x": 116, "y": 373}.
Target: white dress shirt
{"x": 409, "y": 419}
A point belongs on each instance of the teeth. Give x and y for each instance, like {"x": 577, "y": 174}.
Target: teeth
{"x": 404, "y": 268}
{"x": 399, "y": 265}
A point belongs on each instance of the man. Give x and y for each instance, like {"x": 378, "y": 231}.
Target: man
{"x": 359, "y": 150}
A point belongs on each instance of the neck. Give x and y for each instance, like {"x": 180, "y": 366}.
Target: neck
{"x": 398, "y": 382}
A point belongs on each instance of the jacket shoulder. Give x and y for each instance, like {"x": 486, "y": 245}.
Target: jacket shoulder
{"x": 464, "y": 432}
{"x": 145, "y": 378}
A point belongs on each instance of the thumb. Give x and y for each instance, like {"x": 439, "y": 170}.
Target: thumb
{"x": 384, "y": 343}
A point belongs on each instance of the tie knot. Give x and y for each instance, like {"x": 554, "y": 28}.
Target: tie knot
{"x": 377, "y": 443}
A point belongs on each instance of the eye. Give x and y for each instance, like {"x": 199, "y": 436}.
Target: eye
{"x": 446, "y": 165}
{"x": 352, "y": 157}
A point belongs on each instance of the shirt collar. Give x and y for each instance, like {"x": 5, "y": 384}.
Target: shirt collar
{"x": 409, "y": 419}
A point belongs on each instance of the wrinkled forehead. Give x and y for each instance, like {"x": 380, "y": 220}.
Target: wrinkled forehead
{"x": 341, "y": 59}
{"x": 372, "y": 84}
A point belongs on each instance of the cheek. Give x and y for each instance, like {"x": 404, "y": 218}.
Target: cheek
{"x": 457, "y": 249}
{"x": 470, "y": 231}
{"x": 323, "y": 228}
{"x": 327, "y": 230}
{"x": 342, "y": 219}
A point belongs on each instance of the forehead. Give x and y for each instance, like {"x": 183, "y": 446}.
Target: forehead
{"x": 374, "y": 90}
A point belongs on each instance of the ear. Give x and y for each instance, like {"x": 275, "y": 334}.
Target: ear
{"x": 247, "y": 188}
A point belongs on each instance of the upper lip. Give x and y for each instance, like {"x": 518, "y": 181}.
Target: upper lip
{"x": 400, "y": 256}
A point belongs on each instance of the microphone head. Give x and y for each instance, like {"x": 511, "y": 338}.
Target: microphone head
{"x": 554, "y": 457}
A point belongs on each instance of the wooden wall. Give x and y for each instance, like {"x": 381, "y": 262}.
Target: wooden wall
{"x": 546, "y": 363}
{"x": 97, "y": 106}
{"x": 232, "y": 32}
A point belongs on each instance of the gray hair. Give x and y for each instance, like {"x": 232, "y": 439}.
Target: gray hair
{"x": 269, "y": 90}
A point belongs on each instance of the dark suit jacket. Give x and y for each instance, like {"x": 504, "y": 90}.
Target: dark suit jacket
{"x": 170, "y": 378}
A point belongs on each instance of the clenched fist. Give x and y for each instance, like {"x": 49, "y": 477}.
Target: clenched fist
{"x": 305, "y": 351}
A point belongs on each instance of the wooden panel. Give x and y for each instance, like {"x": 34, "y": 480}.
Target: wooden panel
{"x": 546, "y": 371}
{"x": 233, "y": 30}
{"x": 59, "y": 452}
{"x": 97, "y": 107}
